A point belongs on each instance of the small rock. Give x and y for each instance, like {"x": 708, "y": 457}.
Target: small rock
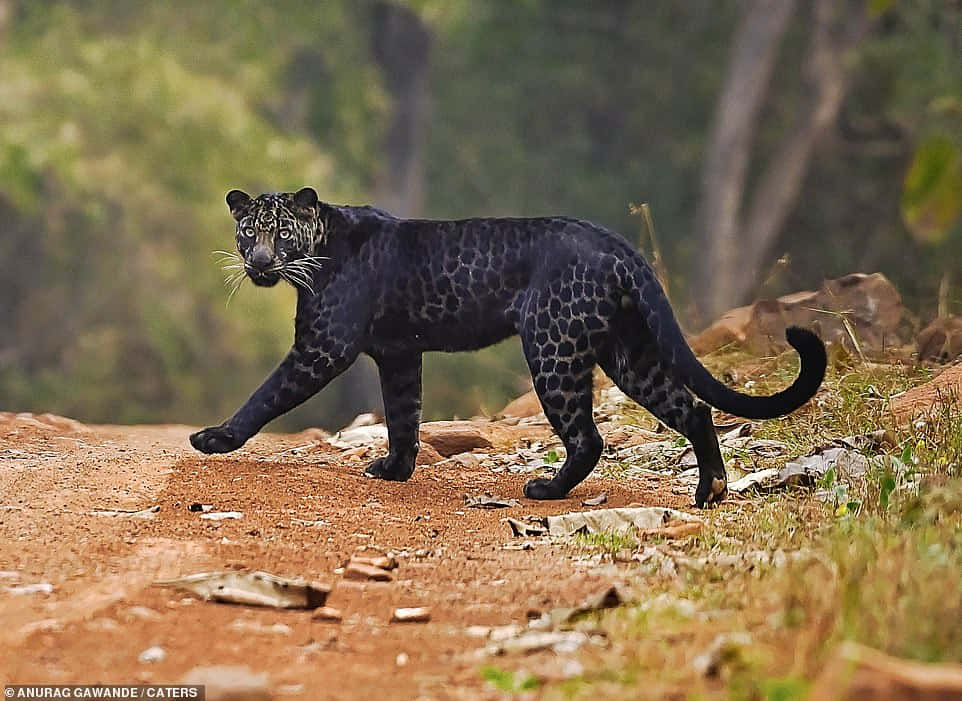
{"x": 453, "y": 437}
{"x": 596, "y": 501}
{"x": 383, "y": 562}
{"x": 468, "y": 461}
{"x": 925, "y": 400}
{"x": 941, "y": 340}
{"x": 499, "y": 633}
{"x": 64, "y": 423}
{"x": 484, "y": 501}
{"x": 327, "y": 614}
{"x": 682, "y": 530}
{"x": 411, "y": 615}
{"x": 46, "y": 625}
{"x": 242, "y": 626}
{"x": 24, "y": 589}
{"x": 102, "y": 625}
{"x": 402, "y": 659}
{"x": 562, "y": 642}
{"x": 143, "y": 613}
{"x": 314, "y": 434}
{"x": 221, "y": 515}
{"x": 725, "y": 652}
{"x": 427, "y": 455}
{"x": 873, "y": 304}
{"x": 366, "y": 419}
{"x": 357, "y": 453}
{"x": 290, "y": 690}
{"x": 229, "y": 683}
{"x": 571, "y": 669}
{"x": 152, "y": 654}
{"x": 358, "y": 571}
{"x": 360, "y": 436}
{"x": 524, "y": 406}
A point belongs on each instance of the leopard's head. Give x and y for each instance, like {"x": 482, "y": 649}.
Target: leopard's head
{"x": 278, "y": 235}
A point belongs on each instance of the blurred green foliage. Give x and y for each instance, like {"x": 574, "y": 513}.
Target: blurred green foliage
{"x": 931, "y": 201}
{"x": 123, "y": 124}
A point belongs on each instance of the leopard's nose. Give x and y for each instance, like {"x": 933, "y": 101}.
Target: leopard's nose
{"x": 261, "y": 257}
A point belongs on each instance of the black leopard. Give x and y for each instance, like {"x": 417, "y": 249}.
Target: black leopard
{"x": 577, "y": 294}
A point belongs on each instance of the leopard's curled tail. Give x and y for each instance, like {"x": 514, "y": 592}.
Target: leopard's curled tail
{"x": 648, "y": 295}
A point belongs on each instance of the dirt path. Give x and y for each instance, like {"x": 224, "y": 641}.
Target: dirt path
{"x": 102, "y": 612}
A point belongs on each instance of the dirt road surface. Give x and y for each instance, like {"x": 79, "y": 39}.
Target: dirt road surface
{"x": 305, "y": 512}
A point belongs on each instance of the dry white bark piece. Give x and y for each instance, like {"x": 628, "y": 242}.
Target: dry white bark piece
{"x": 614, "y": 520}
{"x": 221, "y": 515}
{"x": 418, "y": 614}
{"x": 253, "y": 589}
{"x": 147, "y": 513}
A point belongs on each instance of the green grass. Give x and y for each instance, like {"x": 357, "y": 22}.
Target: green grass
{"x": 879, "y": 564}
{"x": 509, "y": 682}
{"x": 608, "y": 542}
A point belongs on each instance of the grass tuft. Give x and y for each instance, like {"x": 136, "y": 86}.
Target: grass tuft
{"x": 878, "y": 562}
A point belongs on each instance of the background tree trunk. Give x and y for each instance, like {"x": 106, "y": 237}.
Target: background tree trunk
{"x": 402, "y": 47}
{"x": 777, "y": 192}
{"x": 737, "y": 247}
{"x": 717, "y": 220}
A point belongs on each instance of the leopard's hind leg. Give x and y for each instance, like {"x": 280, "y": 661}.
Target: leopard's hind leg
{"x": 559, "y": 352}
{"x": 632, "y": 361}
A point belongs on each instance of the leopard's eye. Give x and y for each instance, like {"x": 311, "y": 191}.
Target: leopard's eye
{"x": 284, "y": 233}
{"x": 248, "y": 231}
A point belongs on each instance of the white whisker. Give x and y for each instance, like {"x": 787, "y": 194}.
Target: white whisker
{"x": 299, "y": 273}
{"x": 312, "y": 261}
{"x": 235, "y": 274}
{"x": 236, "y": 287}
{"x": 308, "y": 266}
{"x": 298, "y": 279}
{"x": 306, "y": 271}
{"x": 231, "y": 279}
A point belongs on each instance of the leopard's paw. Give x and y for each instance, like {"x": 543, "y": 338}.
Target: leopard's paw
{"x": 542, "y": 488}
{"x": 711, "y": 492}
{"x": 390, "y": 468}
{"x": 216, "y": 439}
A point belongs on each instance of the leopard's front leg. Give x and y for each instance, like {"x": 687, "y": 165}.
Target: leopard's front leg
{"x": 303, "y": 373}
{"x": 329, "y": 333}
{"x": 401, "y": 391}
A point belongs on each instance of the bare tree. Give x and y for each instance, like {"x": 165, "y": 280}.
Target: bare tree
{"x": 402, "y": 47}
{"x": 737, "y": 238}
{"x": 5, "y": 11}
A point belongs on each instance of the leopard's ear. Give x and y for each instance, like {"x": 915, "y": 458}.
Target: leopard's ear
{"x": 238, "y": 201}
{"x": 305, "y": 200}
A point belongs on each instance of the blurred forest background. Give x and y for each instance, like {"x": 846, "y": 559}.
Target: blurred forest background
{"x": 778, "y": 142}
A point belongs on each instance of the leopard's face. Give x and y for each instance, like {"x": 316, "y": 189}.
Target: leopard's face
{"x": 277, "y": 236}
